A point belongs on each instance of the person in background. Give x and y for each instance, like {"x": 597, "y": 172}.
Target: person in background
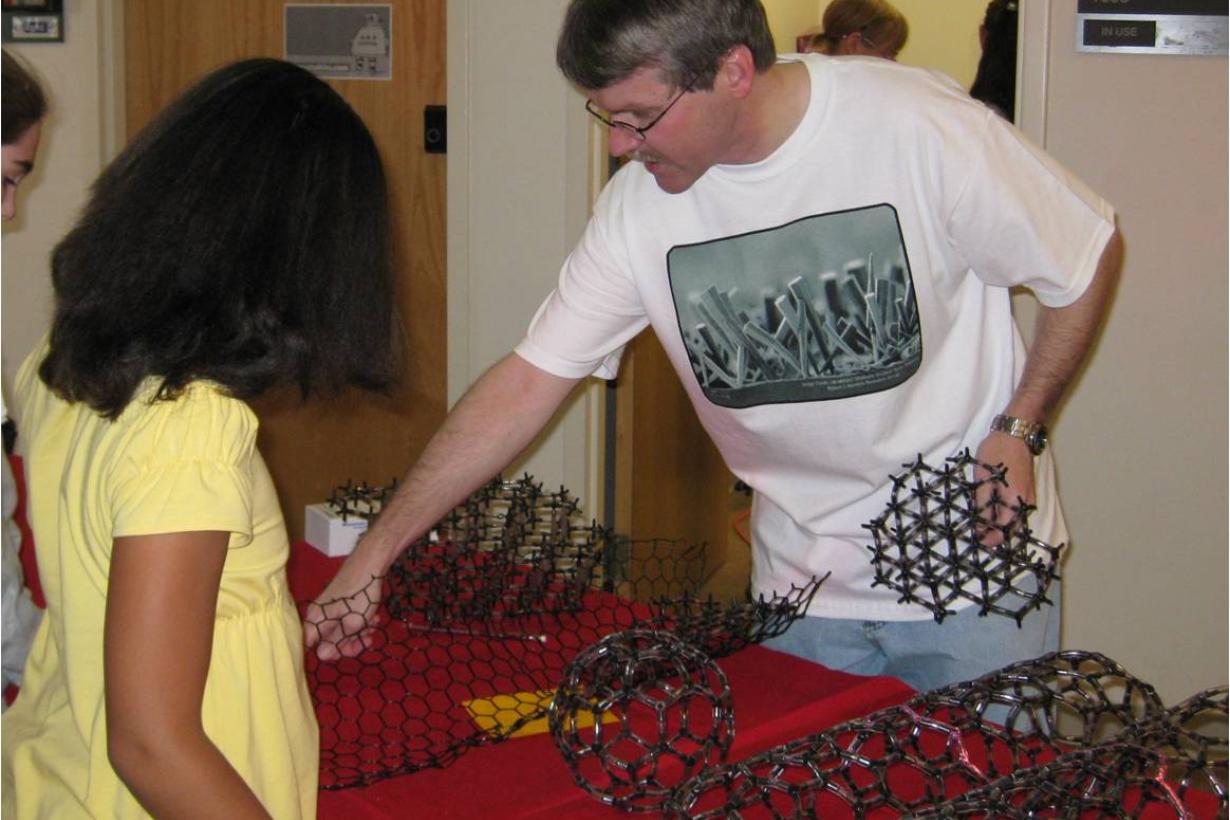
{"x": 24, "y": 106}
{"x": 872, "y": 28}
{"x": 239, "y": 244}
{"x": 995, "y": 81}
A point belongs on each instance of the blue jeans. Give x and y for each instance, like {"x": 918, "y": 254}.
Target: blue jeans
{"x": 925, "y": 654}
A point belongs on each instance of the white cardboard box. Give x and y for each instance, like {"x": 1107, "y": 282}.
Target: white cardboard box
{"x": 325, "y": 529}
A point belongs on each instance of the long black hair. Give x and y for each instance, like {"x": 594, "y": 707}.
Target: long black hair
{"x": 242, "y": 237}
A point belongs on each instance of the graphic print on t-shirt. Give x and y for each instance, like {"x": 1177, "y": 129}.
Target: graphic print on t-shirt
{"x": 820, "y": 308}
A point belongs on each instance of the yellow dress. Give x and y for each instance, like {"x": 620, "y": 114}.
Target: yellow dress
{"x": 190, "y": 464}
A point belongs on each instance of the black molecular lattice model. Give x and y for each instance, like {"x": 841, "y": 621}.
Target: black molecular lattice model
{"x": 638, "y": 713}
{"x": 1070, "y": 734}
{"x": 480, "y": 620}
{"x": 949, "y": 535}
{"x": 360, "y": 500}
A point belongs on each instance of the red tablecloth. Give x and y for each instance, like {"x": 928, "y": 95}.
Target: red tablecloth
{"x": 777, "y": 697}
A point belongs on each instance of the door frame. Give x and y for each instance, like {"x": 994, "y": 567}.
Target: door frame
{"x": 521, "y": 126}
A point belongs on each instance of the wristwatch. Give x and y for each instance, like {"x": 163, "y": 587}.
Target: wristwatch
{"x": 1031, "y": 432}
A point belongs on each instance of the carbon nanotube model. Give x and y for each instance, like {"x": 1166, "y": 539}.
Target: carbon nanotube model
{"x": 639, "y": 712}
{"x": 480, "y": 619}
{"x": 1171, "y": 764}
{"x": 1069, "y": 734}
{"x": 948, "y": 534}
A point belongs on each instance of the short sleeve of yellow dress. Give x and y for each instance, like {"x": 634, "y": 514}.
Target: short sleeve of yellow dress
{"x": 162, "y": 466}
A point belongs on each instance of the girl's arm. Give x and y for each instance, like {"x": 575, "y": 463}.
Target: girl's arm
{"x": 159, "y": 630}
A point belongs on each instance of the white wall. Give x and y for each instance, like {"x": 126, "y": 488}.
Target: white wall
{"x": 83, "y": 80}
{"x": 1142, "y": 445}
{"x": 943, "y": 36}
{"x": 519, "y": 185}
{"x": 789, "y": 18}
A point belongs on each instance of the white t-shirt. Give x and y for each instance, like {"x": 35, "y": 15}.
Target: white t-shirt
{"x": 838, "y": 308}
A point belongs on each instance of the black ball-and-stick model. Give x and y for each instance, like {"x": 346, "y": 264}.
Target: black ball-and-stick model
{"x": 638, "y": 713}
{"x": 1073, "y": 735}
{"x": 949, "y": 535}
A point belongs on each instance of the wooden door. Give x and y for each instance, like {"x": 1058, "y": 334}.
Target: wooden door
{"x": 357, "y": 437}
{"x": 670, "y": 480}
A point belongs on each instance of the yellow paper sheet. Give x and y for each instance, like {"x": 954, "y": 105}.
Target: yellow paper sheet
{"x": 494, "y": 715}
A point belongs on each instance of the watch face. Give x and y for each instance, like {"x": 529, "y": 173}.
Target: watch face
{"x": 1037, "y": 440}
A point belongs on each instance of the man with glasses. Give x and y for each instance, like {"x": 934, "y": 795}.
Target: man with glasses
{"x": 825, "y": 249}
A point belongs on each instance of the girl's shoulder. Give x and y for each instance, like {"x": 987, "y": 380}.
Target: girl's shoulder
{"x": 202, "y": 423}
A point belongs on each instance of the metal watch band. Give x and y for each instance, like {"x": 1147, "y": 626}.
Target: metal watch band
{"x": 1031, "y": 432}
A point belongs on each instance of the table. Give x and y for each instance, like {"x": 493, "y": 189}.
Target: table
{"x": 777, "y": 697}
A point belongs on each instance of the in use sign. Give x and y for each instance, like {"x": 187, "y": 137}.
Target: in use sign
{"x": 1152, "y": 26}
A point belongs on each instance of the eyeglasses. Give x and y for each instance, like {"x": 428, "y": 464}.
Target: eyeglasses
{"x": 880, "y": 52}
{"x": 637, "y": 131}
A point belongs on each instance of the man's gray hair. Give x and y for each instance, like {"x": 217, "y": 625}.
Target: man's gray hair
{"x": 605, "y": 41}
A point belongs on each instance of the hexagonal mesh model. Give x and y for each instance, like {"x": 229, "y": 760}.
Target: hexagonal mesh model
{"x": 639, "y": 712}
{"x": 1114, "y": 780}
{"x": 480, "y": 620}
{"x": 949, "y": 535}
{"x": 1073, "y": 733}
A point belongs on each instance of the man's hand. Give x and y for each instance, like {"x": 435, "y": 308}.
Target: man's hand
{"x": 339, "y": 622}
{"x": 494, "y": 421}
{"x": 996, "y": 449}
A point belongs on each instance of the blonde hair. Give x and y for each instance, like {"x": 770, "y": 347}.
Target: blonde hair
{"x": 876, "y": 20}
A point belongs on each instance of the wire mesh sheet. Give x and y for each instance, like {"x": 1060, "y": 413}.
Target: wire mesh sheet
{"x": 480, "y": 619}
{"x": 1073, "y": 735}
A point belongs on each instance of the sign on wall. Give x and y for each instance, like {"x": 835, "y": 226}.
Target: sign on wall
{"x": 33, "y": 21}
{"x": 341, "y": 42}
{"x": 1152, "y": 26}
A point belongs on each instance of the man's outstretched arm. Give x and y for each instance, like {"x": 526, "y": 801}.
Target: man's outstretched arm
{"x": 493, "y": 422}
